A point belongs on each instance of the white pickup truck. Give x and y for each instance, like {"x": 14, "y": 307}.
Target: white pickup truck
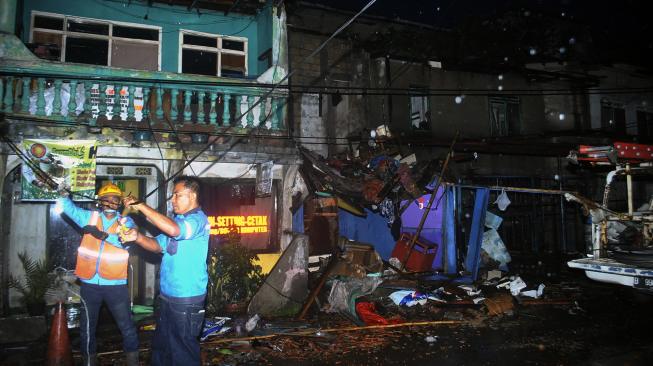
{"x": 622, "y": 242}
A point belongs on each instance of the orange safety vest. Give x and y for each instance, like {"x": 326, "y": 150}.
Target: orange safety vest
{"x": 113, "y": 260}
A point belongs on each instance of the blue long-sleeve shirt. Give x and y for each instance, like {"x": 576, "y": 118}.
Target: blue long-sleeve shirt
{"x": 81, "y": 217}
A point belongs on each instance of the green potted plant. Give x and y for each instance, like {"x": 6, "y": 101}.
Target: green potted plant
{"x": 38, "y": 280}
{"x": 233, "y": 276}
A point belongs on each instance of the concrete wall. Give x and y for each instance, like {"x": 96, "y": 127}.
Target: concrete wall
{"x": 331, "y": 114}
{"x": 27, "y": 234}
{"x": 471, "y": 117}
{"x": 565, "y": 112}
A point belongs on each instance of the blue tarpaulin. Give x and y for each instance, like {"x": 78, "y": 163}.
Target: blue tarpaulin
{"x": 372, "y": 229}
{"x": 449, "y": 230}
{"x": 473, "y": 258}
{"x": 298, "y": 220}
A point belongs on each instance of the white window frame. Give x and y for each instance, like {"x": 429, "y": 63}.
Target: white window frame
{"x": 419, "y": 93}
{"x": 65, "y": 33}
{"x": 503, "y": 129}
{"x": 217, "y": 50}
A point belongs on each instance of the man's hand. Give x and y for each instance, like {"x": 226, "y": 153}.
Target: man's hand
{"x": 95, "y": 232}
{"x": 63, "y": 190}
{"x": 129, "y": 235}
{"x": 131, "y": 202}
{"x": 147, "y": 243}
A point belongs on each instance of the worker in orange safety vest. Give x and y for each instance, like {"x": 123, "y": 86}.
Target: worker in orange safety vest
{"x": 102, "y": 262}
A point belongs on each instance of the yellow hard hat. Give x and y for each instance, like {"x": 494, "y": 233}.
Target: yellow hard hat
{"x": 109, "y": 189}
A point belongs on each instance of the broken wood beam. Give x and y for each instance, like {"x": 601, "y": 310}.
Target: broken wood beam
{"x": 546, "y": 302}
{"x": 318, "y": 287}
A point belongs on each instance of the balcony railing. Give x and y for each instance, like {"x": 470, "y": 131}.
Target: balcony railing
{"x": 101, "y": 96}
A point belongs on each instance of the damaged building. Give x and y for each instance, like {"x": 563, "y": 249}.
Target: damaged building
{"x": 518, "y": 103}
{"x": 383, "y": 184}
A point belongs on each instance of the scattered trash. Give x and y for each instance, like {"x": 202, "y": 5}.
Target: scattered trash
{"x": 452, "y": 315}
{"x": 492, "y": 221}
{"x": 409, "y": 160}
{"x": 499, "y": 304}
{"x": 344, "y": 293}
{"x": 140, "y": 312}
{"x": 441, "y": 295}
{"x": 494, "y": 274}
{"x": 576, "y": 309}
{"x": 515, "y": 285}
{"x": 214, "y": 327}
{"x": 470, "y": 290}
{"x": 408, "y": 298}
{"x": 395, "y": 262}
{"x": 149, "y": 327}
{"x": 251, "y": 323}
{"x": 367, "y": 313}
{"x": 494, "y": 247}
{"x": 431, "y": 339}
{"x": 383, "y": 131}
{"x": 534, "y": 293}
{"x": 478, "y": 300}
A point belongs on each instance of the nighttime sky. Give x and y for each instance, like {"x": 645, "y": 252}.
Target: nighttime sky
{"x": 621, "y": 30}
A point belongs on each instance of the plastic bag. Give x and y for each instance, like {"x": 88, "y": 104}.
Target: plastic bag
{"x": 367, "y": 313}
{"x": 408, "y": 298}
{"x": 502, "y": 201}
{"x": 495, "y": 248}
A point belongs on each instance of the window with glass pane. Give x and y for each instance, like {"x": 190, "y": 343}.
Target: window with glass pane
{"x": 46, "y": 22}
{"x": 645, "y": 126}
{"x": 47, "y": 45}
{"x": 504, "y": 116}
{"x": 135, "y": 33}
{"x": 419, "y": 109}
{"x": 87, "y": 41}
{"x": 87, "y": 27}
{"x": 232, "y": 65}
{"x": 87, "y": 50}
{"x": 230, "y": 44}
{"x": 199, "y": 62}
{"x": 191, "y": 39}
{"x": 134, "y": 55}
{"x": 205, "y": 54}
{"x": 613, "y": 118}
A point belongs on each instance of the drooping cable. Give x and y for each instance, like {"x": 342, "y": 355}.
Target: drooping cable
{"x": 267, "y": 94}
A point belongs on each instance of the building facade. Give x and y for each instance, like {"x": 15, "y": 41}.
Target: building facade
{"x": 164, "y": 89}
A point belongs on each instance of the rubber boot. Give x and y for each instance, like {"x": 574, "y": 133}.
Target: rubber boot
{"x": 131, "y": 358}
{"x": 90, "y": 360}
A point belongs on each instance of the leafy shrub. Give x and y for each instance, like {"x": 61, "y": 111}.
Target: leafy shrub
{"x": 233, "y": 276}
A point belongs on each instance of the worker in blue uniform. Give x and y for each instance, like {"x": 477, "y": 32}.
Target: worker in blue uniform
{"x": 184, "y": 242}
{"x": 101, "y": 267}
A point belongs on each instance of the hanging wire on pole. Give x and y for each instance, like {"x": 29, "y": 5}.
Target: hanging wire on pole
{"x": 264, "y": 97}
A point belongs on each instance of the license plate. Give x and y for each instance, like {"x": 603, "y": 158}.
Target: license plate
{"x": 643, "y": 282}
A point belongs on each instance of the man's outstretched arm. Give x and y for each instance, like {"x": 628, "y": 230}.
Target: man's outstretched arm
{"x": 144, "y": 241}
{"x": 162, "y": 222}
